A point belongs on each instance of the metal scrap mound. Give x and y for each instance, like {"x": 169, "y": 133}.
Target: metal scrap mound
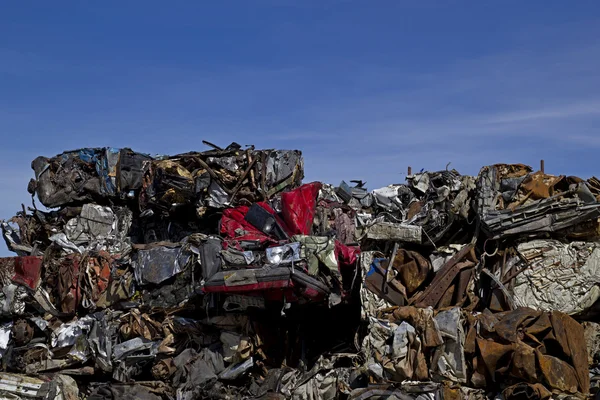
{"x": 219, "y": 275}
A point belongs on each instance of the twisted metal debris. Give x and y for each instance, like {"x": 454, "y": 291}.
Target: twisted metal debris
{"x": 219, "y": 275}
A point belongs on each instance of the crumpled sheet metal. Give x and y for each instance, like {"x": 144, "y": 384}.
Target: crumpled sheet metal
{"x": 237, "y": 303}
{"x": 591, "y": 332}
{"x": 443, "y": 334}
{"x": 76, "y": 280}
{"x": 318, "y": 249}
{"x": 120, "y": 287}
{"x": 298, "y": 208}
{"x": 325, "y": 383}
{"x": 99, "y": 228}
{"x": 93, "y": 223}
{"x": 421, "y": 318}
{"x": 236, "y": 371}
{"x": 443, "y": 254}
{"x": 93, "y": 174}
{"x": 497, "y": 179}
{"x": 128, "y": 391}
{"x": 69, "y": 285}
{"x": 244, "y": 314}
{"x": 530, "y": 346}
{"x": 321, "y": 386}
{"x": 85, "y": 175}
{"x": 219, "y": 178}
{"x": 392, "y": 197}
{"x": 412, "y": 268}
{"x": 449, "y": 359}
{"x": 330, "y": 377}
{"x": 281, "y": 165}
{"x": 68, "y": 247}
{"x": 73, "y": 335}
{"x": 380, "y": 279}
{"x": 522, "y": 346}
{"x": 431, "y": 206}
{"x": 24, "y": 271}
{"x": 450, "y": 283}
{"x": 345, "y": 226}
{"x": 158, "y": 264}
{"x": 405, "y": 391}
{"x": 17, "y": 238}
{"x": 236, "y": 229}
{"x": 369, "y": 301}
{"x": 17, "y": 275}
{"x": 195, "y": 371}
{"x": 527, "y": 391}
{"x": 122, "y": 350}
{"x": 137, "y": 325}
{"x": 557, "y": 276}
{"x": 22, "y": 332}
{"x": 445, "y": 202}
{"x": 100, "y": 340}
{"x": 511, "y": 201}
{"x": 97, "y": 277}
{"x": 12, "y": 300}
{"x": 394, "y": 352}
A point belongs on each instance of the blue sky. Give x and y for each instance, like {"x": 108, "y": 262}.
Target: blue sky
{"x": 364, "y": 88}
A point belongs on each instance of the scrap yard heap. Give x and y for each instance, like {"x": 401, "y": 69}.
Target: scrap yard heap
{"x": 221, "y": 275}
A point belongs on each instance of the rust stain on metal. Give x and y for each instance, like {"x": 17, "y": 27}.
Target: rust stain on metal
{"x": 444, "y": 278}
{"x": 413, "y": 269}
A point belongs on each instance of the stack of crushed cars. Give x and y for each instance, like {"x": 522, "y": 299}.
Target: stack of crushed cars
{"x": 220, "y": 275}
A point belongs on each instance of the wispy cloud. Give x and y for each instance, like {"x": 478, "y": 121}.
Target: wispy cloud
{"x": 566, "y": 110}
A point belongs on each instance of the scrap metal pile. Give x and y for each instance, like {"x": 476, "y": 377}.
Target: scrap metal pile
{"x": 220, "y": 275}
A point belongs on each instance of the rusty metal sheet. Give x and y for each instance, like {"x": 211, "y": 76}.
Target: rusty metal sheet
{"x": 541, "y": 327}
{"x": 99, "y": 268}
{"x": 414, "y": 209}
{"x": 557, "y": 373}
{"x": 69, "y": 288}
{"x": 505, "y": 171}
{"x": 540, "y": 185}
{"x": 464, "y": 279}
{"x": 449, "y": 393}
{"x": 471, "y": 335}
{"x": 523, "y": 390}
{"x": 487, "y": 321}
{"x": 413, "y": 269}
{"x": 510, "y": 323}
{"x": 523, "y": 363}
{"x": 446, "y": 300}
{"x": 422, "y": 320}
{"x": 492, "y": 353}
{"x": 442, "y": 281}
{"x": 389, "y": 291}
{"x": 533, "y": 347}
{"x": 570, "y": 334}
{"x": 163, "y": 369}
